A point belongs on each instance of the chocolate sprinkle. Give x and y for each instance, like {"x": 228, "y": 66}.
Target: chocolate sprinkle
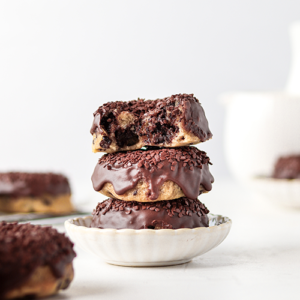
{"x": 150, "y": 159}
{"x": 155, "y": 121}
{"x": 170, "y": 214}
{"x": 24, "y": 247}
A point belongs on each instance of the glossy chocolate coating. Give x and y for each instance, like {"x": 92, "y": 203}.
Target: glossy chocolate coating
{"x": 24, "y": 247}
{"x": 287, "y": 167}
{"x": 173, "y": 214}
{"x": 188, "y": 173}
{"x": 18, "y": 184}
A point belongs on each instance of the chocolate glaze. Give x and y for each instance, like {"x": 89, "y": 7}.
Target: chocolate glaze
{"x": 24, "y": 247}
{"x": 155, "y": 121}
{"x": 186, "y": 166}
{"x": 173, "y": 214}
{"x": 18, "y": 184}
{"x": 195, "y": 120}
{"x": 287, "y": 167}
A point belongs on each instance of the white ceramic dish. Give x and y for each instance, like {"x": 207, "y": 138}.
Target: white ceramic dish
{"x": 148, "y": 247}
{"x": 285, "y": 192}
{"x": 259, "y": 128}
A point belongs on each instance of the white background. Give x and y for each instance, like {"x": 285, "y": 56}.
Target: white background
{"x": 60, "y": 60}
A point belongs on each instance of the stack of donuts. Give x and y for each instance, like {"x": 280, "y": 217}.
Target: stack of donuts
{"x": 150, "y": 172}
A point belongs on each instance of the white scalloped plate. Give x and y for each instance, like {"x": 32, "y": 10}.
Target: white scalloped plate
{"x": 285, "y": 192}
{"x": 148, "y": 247}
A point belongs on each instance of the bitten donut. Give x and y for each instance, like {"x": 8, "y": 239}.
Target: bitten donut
{"x": 35, "y": 261}
{"x": 287, "y": 167}
{"x": 173, "y": 214}
{"x": 174, "y": 121}
{"x": 35, "y": 192}
{"x": 153, "y": 174}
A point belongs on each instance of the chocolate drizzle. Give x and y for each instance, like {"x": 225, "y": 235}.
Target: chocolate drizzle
{"x": 17, "y": 184}
{"x": 24, "y": 247}
{"x": 186, "y": 166}
{"x": 172, "y": 214}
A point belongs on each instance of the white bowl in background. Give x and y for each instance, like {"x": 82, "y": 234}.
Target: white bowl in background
{"x": 285, "y": 192}
{"x": 259, "y": 128}
{"x": 148, "y": 247}
{"x": 262, "y": 126}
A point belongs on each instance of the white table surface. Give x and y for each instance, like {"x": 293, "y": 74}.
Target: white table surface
{"x": 260, "y": 259}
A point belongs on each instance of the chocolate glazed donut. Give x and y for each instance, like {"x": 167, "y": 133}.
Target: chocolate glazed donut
{"x": 188, "y": 167}
{"x": 175, "y": 121}
{"x": 26, "y": 249}
{"x": 23, "y": 192}
{"x": 174, "y": 214}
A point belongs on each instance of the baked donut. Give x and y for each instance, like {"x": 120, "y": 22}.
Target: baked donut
{"x": 35, "y": 261}
{"x": 35, "y": 192}
{"x": 153, "y": 174}
{"x": 173, "y": 214}
{"x": 174, "y": 121}
{"x": 287, "y": 167}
